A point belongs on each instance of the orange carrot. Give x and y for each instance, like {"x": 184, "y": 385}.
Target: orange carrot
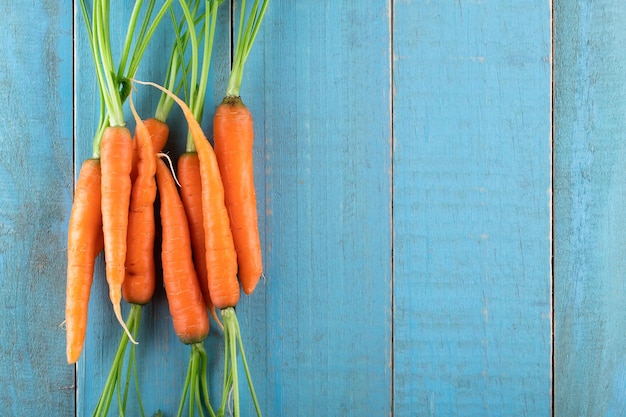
{"x": 191, "y": 194}
{"x": 116, "y": 153}
{"x": 233, "y": 139}
{"x": 83, "y": 245}
{"x": 189, "y": 315}
{"x": 138, "y": 285}
{"x": 158, "y": 131}
{"x": 221, "y": 257}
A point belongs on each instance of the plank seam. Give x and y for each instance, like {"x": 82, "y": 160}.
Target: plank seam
{"x": 552, "y": 214}
{"x": 391, "y": 6}
{"x": 74, "y": 159}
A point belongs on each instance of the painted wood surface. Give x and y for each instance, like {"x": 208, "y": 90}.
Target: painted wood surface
{"x": 35, "y": 198}
{"x": 402, "y": 158}
{"x": 321, "y": 316}
{"x": 471, "y": 199}
{"x": 589, "y": 189}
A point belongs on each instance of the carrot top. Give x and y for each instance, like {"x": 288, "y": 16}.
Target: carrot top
{"x": 246, "y": 34}
{"x": 196, "y": 84}
{"x": 113, "y": 84}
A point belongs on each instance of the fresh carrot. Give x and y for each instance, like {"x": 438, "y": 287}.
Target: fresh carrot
{"x": 184, "y": 297}
{"x": 158, "y": 132}
{"x": 138, "y": 285}
{"x": 221, "y": 257}
{"x": 189, "y": 163}
{"x": 191, "y": 194}
{"x": 233, "y": 136}
{"x": 116, "y": 153}
{"x": 84, "y": 244}
{"x": 233, "y": 140}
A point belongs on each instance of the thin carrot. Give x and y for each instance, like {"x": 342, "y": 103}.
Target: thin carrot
{"x": 138, "y": 285}
{"x": 191, "y": 322}
{"x": 184, "y": 297}
{"x": 84, "y": 244}
{"x": 116, "y": 152}
{"x": 191, "y": 194}
{"x": 233, "y": 136}
{"x": 220, "y": 251}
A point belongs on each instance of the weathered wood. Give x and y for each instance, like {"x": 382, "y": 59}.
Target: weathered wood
{"x": 471, "y": 199}
{"x": 439, "y": 111}
{"x": 35, "y": 194}
{"x": 590, "y": 103}
{"x": 319, "y": 87}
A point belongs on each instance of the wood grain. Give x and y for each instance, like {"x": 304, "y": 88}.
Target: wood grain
{"x": 319, "y": 87}
{"x": 403, "y": 168}
{"x": 590, "y": 103}
{"x": 35, "y": 194}
{"x": 471, "y": 204}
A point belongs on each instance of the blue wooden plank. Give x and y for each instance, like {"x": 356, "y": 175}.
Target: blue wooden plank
{"x": 319, "y": 87}
{"x": 471, "y": 199}
{"x": 35, "y": 196}
{"x": 590, "y": 101}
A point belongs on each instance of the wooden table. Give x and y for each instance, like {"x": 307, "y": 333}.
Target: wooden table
{"x": 441, "y": 203}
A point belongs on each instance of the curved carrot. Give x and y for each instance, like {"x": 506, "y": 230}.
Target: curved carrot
{"x": 159, "y": 132}
{"x": 138, "y": 285}
{"x": 116, "y": 153}
{"x": 189, "y": 315}
{"x": 83, "y": 245}
{"x": 233, "y": 139}
{"x": 220, "y": 249}
{"x": 191, "y": 194}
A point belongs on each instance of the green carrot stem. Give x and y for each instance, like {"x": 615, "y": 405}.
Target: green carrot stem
{"x": 183, "y": 397}
{"x": 246, "y": 369}
{"x": 129, "y": 36}
{"x": 203, "y": 378}
{"x": 142, "y": 43}
{"x": 112, "y": 381}
{"x": 246, "y": 34}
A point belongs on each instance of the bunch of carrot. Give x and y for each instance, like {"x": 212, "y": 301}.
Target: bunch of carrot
{"x": 210, "y": 247}
{"x": 115, "y": 192}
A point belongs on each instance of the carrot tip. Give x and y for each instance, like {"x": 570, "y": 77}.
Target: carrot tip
{"x": 169, "y": 161}
{"x": 118, "y": 314}
{"x": 217, "y": 320}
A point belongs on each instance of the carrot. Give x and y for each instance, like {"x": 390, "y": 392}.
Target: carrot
{"x": 84, "y": 244}
{"x": 191, "y": 194}
{"x": 221, "y": 258}
{"x": 233, "y": 135}
{"x": 233, "y": 139}
{"x": 184, "y": 297}
{"x": 116, "y": 152}
{"x": 158, "y": 132}
{"x": 138, "y": 285}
